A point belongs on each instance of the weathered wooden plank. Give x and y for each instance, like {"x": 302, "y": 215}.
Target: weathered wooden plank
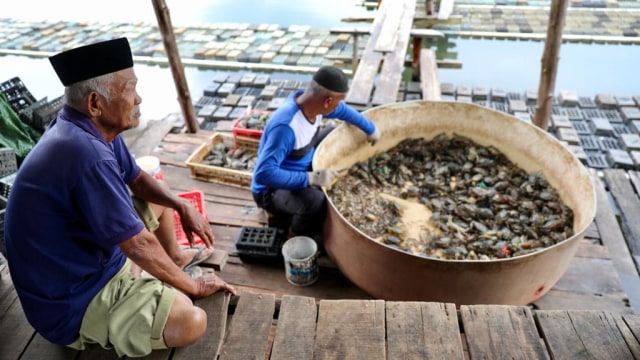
{"x": 590, "y": 282}
{"x": 629, "y": 205}
{"x": 363, "y": 79}
{"x": 271, "y": 277}
{"x": 217, "y": 261}
{"x": 95, "y": 351}
{"x": 208, "y": 347}
{"x": 588, "y": 250}
{"x": 194, "y": 139}
{"x": 592, "y": 231}
{"x": 365, "y": 30}
{"x": 501, "y": 332}
{"x": 612, "y": 238}
{"x": 629, "y": 327}
{"x": 233, "y": 215}
{"x": 579, "y": 334}
{"x": 296, "y": 328}
{"x": 175, "y": 154}
{"x": 180, "y": 181}
{"x": 41, "y": 349}
{"x": 388, "y": 84}
{"x": 392, "y": 19}
{"x": 429, "y": 82}
{"x": 563, "y": 300}
{"x": 15, "y": 331}
{"x": 8, "y": 294}
{"x": 590, "y": 276}
{"x": 350, "y": 329}
{"x": 386, "y": 90}
{"x": 249, "y": 330}
{"x": 422, "y": 330}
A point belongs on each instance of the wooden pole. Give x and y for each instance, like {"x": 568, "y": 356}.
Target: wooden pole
{"x": 177, "y": 69}
{"x": 549, "y": 64}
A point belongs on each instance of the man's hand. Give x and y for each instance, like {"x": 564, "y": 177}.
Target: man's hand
{"x": 193, "y": 222}
{"x": 322, "y": 177}
{"x": 208, "y": 284}
{"x": 374, "y": 137}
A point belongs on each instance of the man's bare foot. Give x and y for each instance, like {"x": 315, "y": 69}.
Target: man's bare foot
{"x": 193, "y": 256}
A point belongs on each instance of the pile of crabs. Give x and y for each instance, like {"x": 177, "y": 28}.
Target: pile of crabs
{"x": 477, "y": 203}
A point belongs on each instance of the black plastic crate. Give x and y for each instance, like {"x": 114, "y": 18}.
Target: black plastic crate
{"x": 573, "y": 113}
{"x": 597, "y": 160}
{"x": 18, "y": 96}
{"x": 619, "y": 159}
{"x": 607, "y": 143}
{"x": 44, "y": 114}
{"x": 3, "y": 206}
{"x": 612, "y": 115}
{"x": 259, "y": 243}
{"x": 620, "y": 129}
{"x": 586, "y": 102}
{"x": 26, "y": 114}
{"x": 499, "y": 106}
{"x": 8, "y": 164}
{"x": 592, "y": 113}
{"x": 589, "y": 142}
{"x": 5, "y": 185}
{"x": 581, "y": 127}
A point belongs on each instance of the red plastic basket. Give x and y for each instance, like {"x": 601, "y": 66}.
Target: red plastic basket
{"x": 196, "y": 197}
{"x": 250, "y": 133}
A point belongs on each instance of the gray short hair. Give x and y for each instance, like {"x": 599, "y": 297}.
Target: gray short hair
{"x": 318, "y": 90}
{"x": 75, "y": 93}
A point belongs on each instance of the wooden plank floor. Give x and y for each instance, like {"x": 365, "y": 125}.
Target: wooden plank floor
{"x": 602, "y": 277}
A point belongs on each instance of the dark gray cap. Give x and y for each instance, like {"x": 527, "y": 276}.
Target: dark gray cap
{"x": 332, "y": 78}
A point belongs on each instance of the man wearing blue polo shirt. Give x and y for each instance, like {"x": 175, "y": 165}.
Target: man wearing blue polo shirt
{"x": 73, "y": 235}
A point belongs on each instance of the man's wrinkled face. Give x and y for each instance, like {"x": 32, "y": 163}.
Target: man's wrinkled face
{"x": 122, "y": 111}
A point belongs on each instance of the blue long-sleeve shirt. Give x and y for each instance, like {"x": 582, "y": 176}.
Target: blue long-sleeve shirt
{"x": 286, "y": 132}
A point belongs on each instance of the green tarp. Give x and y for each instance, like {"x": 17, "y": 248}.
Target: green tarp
{"x": 14, "y": 133}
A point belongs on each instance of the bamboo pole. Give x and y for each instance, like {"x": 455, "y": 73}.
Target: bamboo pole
{"x": 177, "y": 69}
{"x": 549, "y": 63}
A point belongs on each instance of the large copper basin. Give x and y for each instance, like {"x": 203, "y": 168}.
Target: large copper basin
{"x": 387, "y": 273}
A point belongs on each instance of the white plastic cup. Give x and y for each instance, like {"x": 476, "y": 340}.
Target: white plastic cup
{"x": 151, "y": 165}
{"x": 301, "y": 260}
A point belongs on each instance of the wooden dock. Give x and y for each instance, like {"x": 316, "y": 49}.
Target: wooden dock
{"x": 590, "y": 313}
{"x": 599, "y": 293}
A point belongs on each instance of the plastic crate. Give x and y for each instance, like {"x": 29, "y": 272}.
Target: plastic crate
{"x": 44, "y": 114}
{"x": 196, "y": 197}
{"x": 216, "y": 174}
{"x": 3, "y": 206}
{"x": 247, "y": 143}
{"x": 238, "y": 130}
{"x": 5, "y": 185}
{"x": 259, "y": 243}
{"x": 8, "y": 164}
{"x": 17, "y": 94}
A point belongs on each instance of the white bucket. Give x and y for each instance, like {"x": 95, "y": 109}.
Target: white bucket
{"x": 301, "y": 260}
{"x": 151, "y": 165}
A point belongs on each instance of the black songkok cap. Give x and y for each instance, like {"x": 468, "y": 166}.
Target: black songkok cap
{"x": 87, "y": 62}
{"x": 332, "y": 78}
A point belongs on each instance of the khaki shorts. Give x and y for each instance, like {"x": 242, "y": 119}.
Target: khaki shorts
{"x": 128, "y": 314}
{"x": 145, "y": 213}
